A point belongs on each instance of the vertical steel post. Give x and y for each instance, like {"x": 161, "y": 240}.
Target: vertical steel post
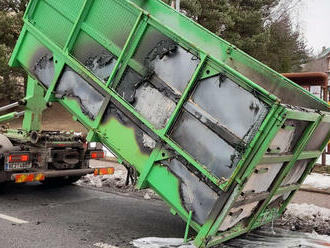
{"x": 34, "y": 107}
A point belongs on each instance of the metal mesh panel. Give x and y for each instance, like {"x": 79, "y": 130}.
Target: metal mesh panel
{"x": 94, "y": 56}
{"x": 111, "y": 19}
{"x": 70, "y": 9}
{"x": 52, "y": 23}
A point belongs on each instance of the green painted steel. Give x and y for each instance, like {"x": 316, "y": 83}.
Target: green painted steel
{"x": 8, "y": 117}
{"x": 35, "y": 105}
{"x": 223, "y": 139}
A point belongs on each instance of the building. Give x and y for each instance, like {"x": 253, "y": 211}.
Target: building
{"x": 320, "y": 64}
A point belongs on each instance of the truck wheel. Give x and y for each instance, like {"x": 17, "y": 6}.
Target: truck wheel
{"x": 60, "y": 181}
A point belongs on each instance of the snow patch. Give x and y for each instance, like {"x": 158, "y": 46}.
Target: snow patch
{"x": 307, "y": 218}
{"x": 161, "y": 243}
{"x": 260, "y": 238}
{"x": 320, "y": 181}
{"x": 266, "y": 237}
{"x": 308, "y": 210}
{"x": 104, "y": 245}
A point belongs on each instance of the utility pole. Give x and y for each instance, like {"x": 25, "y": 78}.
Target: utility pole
{"x": 176, "y": 4}
{"x": 177, "y": 7}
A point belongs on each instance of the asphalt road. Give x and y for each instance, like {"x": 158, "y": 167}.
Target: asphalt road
{"x": 78, "y": 217}
{"x": 34, "y": 216}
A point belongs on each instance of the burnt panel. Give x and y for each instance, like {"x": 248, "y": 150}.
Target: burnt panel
{"x": 156, "y": 107}
{"x": 195, "y": 194}
{"x": 296, "y": 172}
{"x": 130, "y": 81}
{"x": 214, "y": 125}
{"x": 74, "y": 86}
{"x": 205, "y": 146}
{"x": 94, "y": 57}
{"x": 44, "y": 70}
{"x": 284, "y": 89}
{"x": 163, "y": 57}
{"x": 176, "y": 68}
{"x": 236, "y": 108}
{"x": 318, "y": 137}
{"x": 153, "y": 105}
{"x": 145, "y": 142}
{"x": 150, "y": 40}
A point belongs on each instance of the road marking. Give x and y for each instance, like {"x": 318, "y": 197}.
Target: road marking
{"x": 104, "y": 245}
{"x": 13, "y": 219}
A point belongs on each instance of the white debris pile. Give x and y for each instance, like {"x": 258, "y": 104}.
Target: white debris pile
{"x": 102, "y": 181}
{"x": 115, "y": 182}
{"x": 160, "y": 243}
{"x": 307, "y": 217}
{"x": 319, "y": 181}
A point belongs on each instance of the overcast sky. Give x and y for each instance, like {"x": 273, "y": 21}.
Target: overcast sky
{"x": 314, "y": 19}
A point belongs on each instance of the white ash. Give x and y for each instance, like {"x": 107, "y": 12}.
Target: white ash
{"x": 148, "y": 141}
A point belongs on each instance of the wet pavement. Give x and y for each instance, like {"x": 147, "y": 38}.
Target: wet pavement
{"x": 34, "y": 216}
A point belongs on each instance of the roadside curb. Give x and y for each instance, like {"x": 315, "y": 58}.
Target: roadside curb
{"x": 307, "y": 188}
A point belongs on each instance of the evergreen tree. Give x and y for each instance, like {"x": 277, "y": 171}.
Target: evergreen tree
{"x": 248, "y": 24}
{"x": 286, "y": 50}
{"x": 12, "y": 80}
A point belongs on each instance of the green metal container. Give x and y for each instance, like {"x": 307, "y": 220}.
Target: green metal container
{"x": 223, "y": 139}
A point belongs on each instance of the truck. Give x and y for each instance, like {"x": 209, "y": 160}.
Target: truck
{"x": 50, "y": 157}
{"x": 223, "y": 139}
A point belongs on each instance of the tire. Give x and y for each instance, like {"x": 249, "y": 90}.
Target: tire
{"x": 60, "y": 181}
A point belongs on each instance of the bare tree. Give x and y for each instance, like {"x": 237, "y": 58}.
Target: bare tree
{"x": 285, "y": 7}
